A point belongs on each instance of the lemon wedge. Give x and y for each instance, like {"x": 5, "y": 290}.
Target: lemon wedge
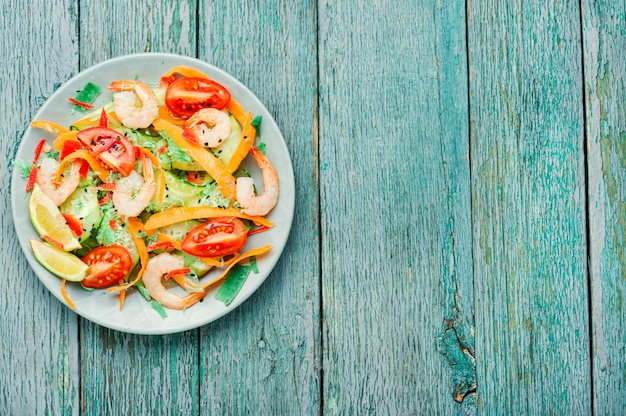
{"x": 48, "y": 221}
{"x": 65, "y": 265}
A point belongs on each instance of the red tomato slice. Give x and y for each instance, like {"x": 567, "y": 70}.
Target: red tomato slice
{"x": 107, "y": 266}
{"x": 112, "y": 147}
{"x": 186, "y": 96}
{"x": 216, "y": 238}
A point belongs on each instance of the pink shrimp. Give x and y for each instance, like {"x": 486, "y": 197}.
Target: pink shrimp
{"x": 207, "y": 127}
{"x": 126, "y": 107}
{"x": 258, "y": 204}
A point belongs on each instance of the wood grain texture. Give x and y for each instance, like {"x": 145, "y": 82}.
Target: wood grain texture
{"x": 604, "y": 36}
{"x": 123, "y": 373}
{"x": 528, "y": 187}
{"x": 38, "y": 335}
{"x": 395, "y": 206}
{"x": 264, "y": 358}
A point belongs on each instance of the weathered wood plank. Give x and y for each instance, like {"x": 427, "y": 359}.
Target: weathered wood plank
{"x": 528, "y": 187}
{"x": 38, "y": 335}
{"x": 604, "y": 36}
{"x": 395, "y": 208}
{"x": 264, "y": 357}
{"x": 122, "y": 373}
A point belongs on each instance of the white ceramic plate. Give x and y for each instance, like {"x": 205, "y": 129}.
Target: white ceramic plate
{"x": 137, "y": 316}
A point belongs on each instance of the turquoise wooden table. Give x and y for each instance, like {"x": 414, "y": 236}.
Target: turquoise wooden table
{"x": 458, "y": 239}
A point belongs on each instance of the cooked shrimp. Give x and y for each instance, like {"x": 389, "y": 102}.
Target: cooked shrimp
{"x": 133, "y": 193}
{"x": 258, "y": 204}
{"x": 159, "y": 266}
{"x": 208, "y": 127}
{"x": 46, "y": 178}
{"x": 126, "y": 107}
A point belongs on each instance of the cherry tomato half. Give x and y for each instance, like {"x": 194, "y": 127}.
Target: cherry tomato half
{"x": 216, "y": 238}
{"x": 112, "y": 147}
{"x": 186, "y": 96}
{"x": 107, "y": 266}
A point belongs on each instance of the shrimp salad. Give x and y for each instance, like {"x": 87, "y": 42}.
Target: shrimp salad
{"x": 153, "y": 190}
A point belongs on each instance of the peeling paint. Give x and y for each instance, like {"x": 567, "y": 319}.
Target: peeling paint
{"x": 456, "y": 344}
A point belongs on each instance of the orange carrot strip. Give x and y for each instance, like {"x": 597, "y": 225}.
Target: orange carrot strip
{"x": 261, "y": 229}
{"x": 49, "y": 127}
{"x": 254, "y": 252}
{"x": 200, "y": 155}
{"x": 122, "y": 294}
{"x": 134, "y": 226}
{"x": 179, "y": 214}
{"x": 100, "y": 170}
{"x": 64, "y": 294}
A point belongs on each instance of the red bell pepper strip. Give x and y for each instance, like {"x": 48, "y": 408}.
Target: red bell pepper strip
{"x": 38, "y": 150}
{"x": 74, "y": 223}
{"x": 175, "y": 272}
{"x": 80, "y": 103}
{"x": 32, "y": 179}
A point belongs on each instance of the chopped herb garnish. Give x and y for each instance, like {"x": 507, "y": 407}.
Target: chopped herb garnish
{"x": 255, "y": 268}
{"x": 87, "y": 95}
{"x": 233, "y": 283}
{"x": 24, "y": 167}
{"x": 157, "y": 307}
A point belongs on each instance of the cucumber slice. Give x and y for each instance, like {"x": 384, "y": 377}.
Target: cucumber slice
{"x": 83, "y": 204}
{"x": 120, "y": 236}
{"x": 179, "y": 230}
{"x": 224, "y": 152}
{"x": 197, "y": 266}
{"x": 178, "y": 192}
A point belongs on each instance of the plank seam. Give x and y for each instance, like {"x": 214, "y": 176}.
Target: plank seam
{"x": 79, "y": 320}
{"x": 587, "y": 197}
{"x": 316, "y": 133}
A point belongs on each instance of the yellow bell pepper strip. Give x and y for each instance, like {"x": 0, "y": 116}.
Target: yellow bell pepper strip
{"x": 236, "y": 110}
{"x": 251, "y": 253}
{"x": 91, "y": 121}
{"x": 179, "y": 214}
{"x": 165, "y": 115}
{"x": 185, "y": 71}
{"x": 99, "y": 169}
{"x": 243, "y": 148}
{"x": 135, "y": 226}
{"x": 157, "y": 165}
{"x": 49, "y": 127}
{"x": 200, "y": 155}
{"x": 58, "y": 143}
{"x": 162, "y": 238}
{"x": 149, "y": 155}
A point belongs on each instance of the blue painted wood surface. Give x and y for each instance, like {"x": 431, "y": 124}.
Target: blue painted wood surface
{"x": 457, "y": 246}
